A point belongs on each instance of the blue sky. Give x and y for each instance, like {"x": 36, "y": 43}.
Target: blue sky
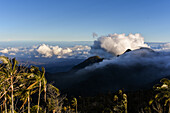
{"x": 76, "y": 20}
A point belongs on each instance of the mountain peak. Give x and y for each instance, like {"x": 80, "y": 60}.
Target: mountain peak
{"x": 88, "y": 62}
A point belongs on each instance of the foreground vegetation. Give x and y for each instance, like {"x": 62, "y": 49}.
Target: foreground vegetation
{"x": 26, "y": 90}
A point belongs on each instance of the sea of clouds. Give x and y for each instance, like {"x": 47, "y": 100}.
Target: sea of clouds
{"x": 47, "y": 51}
{"x": 105, "y": 46}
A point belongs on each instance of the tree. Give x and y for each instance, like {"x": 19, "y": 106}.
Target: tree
{"x": 74, "y": 103}
{"x": 162, "y": 95}
{"x": 120, "y": 102}
{"x": 20, "y": 83}
{"x": 40, "y": 76}
{"x": 10, "y": 74}
{"x": 30, "y": 89}
{"x": 54, "y": 99}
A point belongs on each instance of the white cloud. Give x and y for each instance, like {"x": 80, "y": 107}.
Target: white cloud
{"x": 7, "y": 50}
{"x": 61, "y": 51}
{"x": 4, "y": 51}
{"x": 12, "y": 54}
{"x": 165, "y": 46}
{"x": 14, "y": 49}
{"x": 117, "y": 44}
{"x": 50, "y": 51}
{"x": 56, "y": 50}
{"x": 45, "y": 50}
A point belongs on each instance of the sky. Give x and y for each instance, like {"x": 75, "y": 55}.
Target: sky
{"x": 76, "y": 20}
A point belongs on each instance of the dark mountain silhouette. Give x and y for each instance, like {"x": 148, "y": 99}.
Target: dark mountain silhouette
{"x": 128, "y": 50}
{"x": 88, "y": 62}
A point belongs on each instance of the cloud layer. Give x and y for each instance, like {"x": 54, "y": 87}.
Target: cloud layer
{"x": 48, "y": 51}
{"x": 106, "y": 46}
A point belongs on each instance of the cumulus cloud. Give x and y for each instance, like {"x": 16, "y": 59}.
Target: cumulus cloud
{"x": 77, "y": 51}
{"x": 13, "y": 50}
{"x": 6, "y": 50}
{"x": 61, "y": 51}
{"x": 117, "y": 44}
{"x": 45, "y": 50}
{"x": 56, "y": 50}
